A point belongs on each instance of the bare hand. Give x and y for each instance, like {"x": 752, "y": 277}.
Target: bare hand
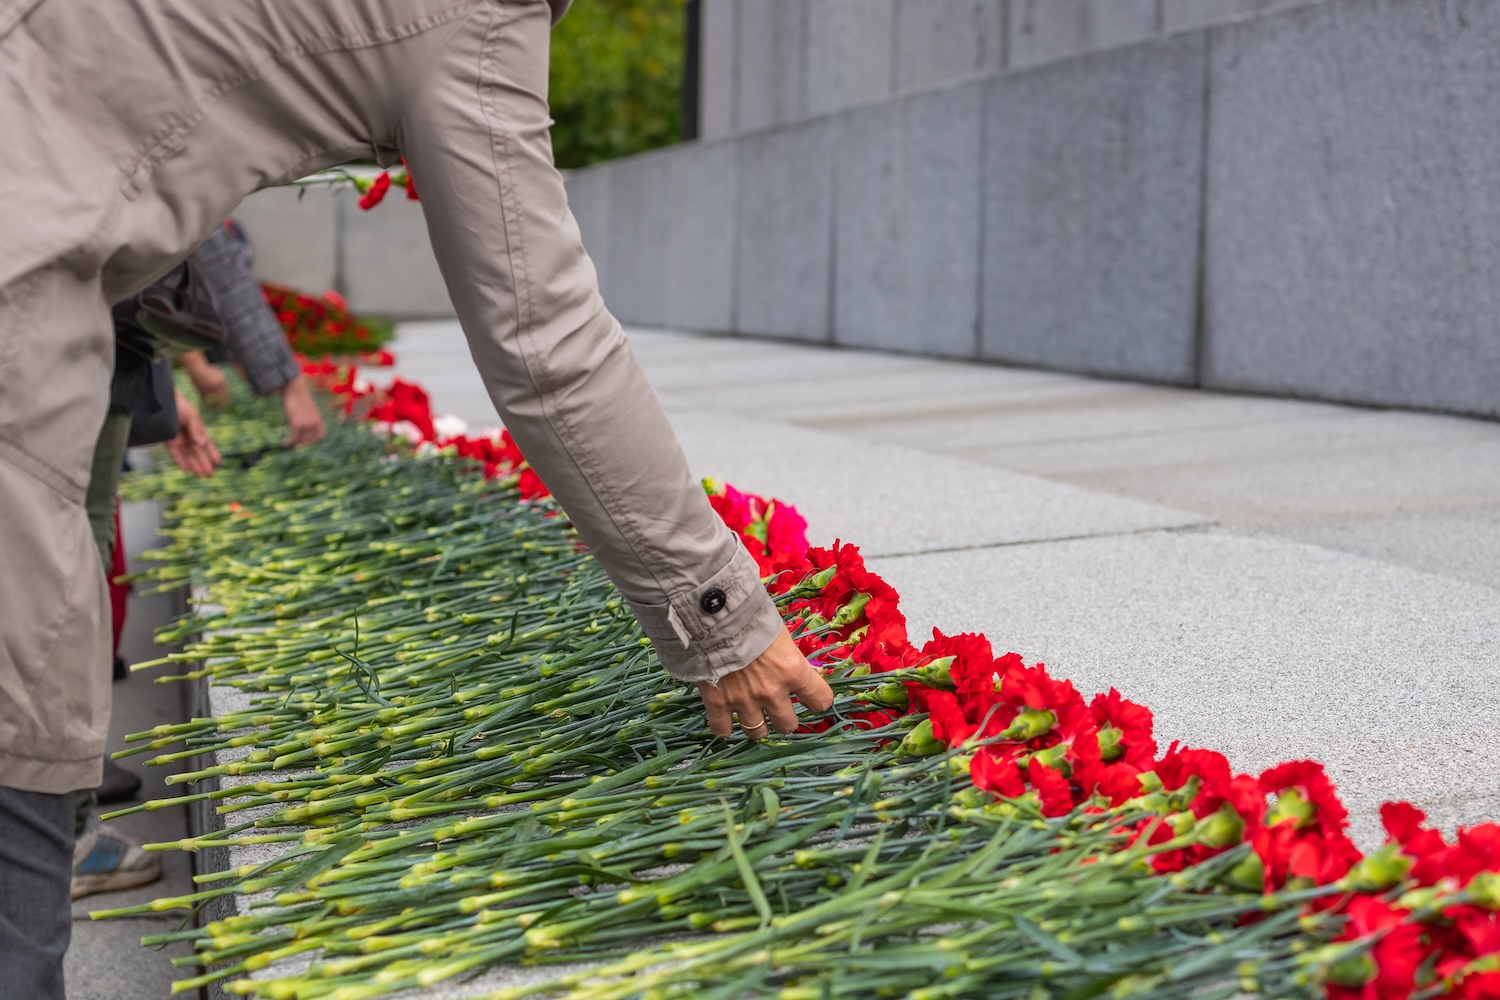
{"x": 192, "y": 449}
{"x": 303, "y": 420}
{"x": 209, "y": 379}
{"x": 763, "y": 690}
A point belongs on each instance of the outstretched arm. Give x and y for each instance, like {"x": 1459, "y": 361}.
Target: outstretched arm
{"x": 563, "y": 378}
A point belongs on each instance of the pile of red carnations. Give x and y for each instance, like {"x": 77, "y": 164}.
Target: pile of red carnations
{"x": 322, "y": 326}
{"x": 1429, "y": 906}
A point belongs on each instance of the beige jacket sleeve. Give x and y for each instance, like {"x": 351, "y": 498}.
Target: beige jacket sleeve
{"x": 557, "y": 365}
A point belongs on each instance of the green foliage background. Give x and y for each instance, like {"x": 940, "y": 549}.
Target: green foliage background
{"x": 616, "y": 83}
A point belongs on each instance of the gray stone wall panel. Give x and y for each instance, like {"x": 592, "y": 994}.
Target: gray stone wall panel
{"x": 849, "y": 50}
{"x": 941, "y": 41}
{"x": 716, "y": 44}
{"x": 700, "y": 268}
{"x": 771, "y": 61}
{"x": 1042, "y": 31}
{"x": 588, "y": 200}
{"x": 783, "y": 222}
{"x": 906, "y": 255}
{"x": 296, "y": 238}
{"x": 1179, "y": 14}
{"x": 1353, "y": 226}
{"x": 1092, "y": 174}
{"x": 640, "y": 237}
{"x": 388, "y": 264}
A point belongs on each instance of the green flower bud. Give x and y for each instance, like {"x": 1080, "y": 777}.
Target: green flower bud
{"x": 1416, "y": 900}
{"x": 1484, "y": 890}
{"x": 1182, "y": 823}
{"x": 1292, "y": 805}
{"x": 920, "y": 742}
{"x": 849, "y": 613}
{"x": 1249, "y": 875}
{"x": 1385, "y": 869}
{"x": 891, "y": 694}
{"x": 935, "y": 674}
{"x": 1030, "y": 724}
{"x": 1110, "y": 748}
{"x": 1353, "y": 971}
{"x": 1222, "y": 828}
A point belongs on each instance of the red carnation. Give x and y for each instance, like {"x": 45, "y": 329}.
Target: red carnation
{"x": 376, "y": 193}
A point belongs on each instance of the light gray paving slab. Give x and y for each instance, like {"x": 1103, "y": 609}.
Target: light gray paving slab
{"x": 1092, "y": 174}
{"x": 388, "y": 267}
{"x": 770, "y": 62}
{"x": 849, "y": 48}
{"x": 435, "y": 355}
{"x": 1264, "y": 649}
{"x": 700, "y": 261}
{"x": 833, "y": 398}
{"x": 1353, "y": 236}
{"x": 1046, "y": 30}
{"x": 105, "y": 960}
{"x": 939, "y": 41}
{"x": 639, "y": 237}
{"x": 907, "y": 253}
{"x": 784, "y": 220}
{"x": 1063, "y": 413}
{"x": 894, "y": 500}
{"x": 1358, "y": 464}
{"x": 1462, "y": 543}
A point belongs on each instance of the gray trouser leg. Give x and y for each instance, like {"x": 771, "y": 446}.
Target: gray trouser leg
{"x": 36, "y": 915}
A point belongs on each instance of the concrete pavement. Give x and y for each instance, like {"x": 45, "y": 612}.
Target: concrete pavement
{"x": 1275, "y": 578}
{"x": 105, "y": 960}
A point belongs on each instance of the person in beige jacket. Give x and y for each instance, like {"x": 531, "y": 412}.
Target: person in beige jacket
{"x": 128, "y": 130}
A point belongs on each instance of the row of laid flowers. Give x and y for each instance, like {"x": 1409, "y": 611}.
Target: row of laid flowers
{"x": 1028, "y": 733}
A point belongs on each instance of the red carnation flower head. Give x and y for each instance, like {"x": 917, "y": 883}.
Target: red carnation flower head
{"x": 530, "y": 484}
{"x": 1033, "y": 690}
{"x": 375, "y": 193}
{"x": 833, "y": 599}
{"x": 1304, "y": 796}
{"x": 997, "y": 773}
{"x": 1125, "y": 730}
{"x": 1389, "y": 970}
{"x": 948, "y": 722}
{"x": 405, "y": 401}
{"x": 972, "y": 670}
{"x": 1303, "y": 837}
{"x": 736, "y": 509}
{"x": 1051, "y": 787}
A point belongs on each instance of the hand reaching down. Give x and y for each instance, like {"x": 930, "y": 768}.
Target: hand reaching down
{"x": 763, "y": 690}
{"x": 192, "y": 449}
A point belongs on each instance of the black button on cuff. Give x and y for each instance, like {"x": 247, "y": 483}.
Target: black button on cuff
{"x": 713, "y": 601}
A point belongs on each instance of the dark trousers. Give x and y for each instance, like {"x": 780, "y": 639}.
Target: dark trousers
{"x": 36, "y": 914}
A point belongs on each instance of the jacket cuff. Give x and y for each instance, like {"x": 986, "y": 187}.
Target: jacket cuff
{"x": 716, "y": 628}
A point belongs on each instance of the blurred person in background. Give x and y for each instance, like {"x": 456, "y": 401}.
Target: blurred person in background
{"x": 103, "y": 859}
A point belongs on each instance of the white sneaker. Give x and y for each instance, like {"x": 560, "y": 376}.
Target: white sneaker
{"x": 105, "y": 861}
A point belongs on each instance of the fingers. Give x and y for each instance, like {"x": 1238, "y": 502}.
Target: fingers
{"x": 760, "y": 694}
{"x": 782, "y": 714}
{"x": 720, "y": 718}
{"x": 813, "y": 691}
